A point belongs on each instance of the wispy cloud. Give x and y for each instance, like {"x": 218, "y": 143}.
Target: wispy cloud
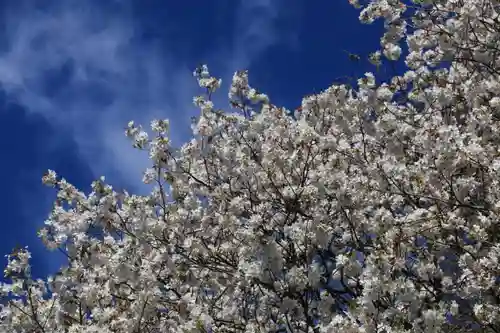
{"x": 256, "y": 29}
{"x": 83, "y": 68}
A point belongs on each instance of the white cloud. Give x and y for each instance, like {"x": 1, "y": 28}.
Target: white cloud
{"x": 114, "y": 79}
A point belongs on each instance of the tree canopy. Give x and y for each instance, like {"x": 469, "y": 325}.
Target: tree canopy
{"x": 360, "y": 212}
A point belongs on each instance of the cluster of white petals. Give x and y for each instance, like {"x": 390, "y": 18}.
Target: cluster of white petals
{"x": 362, "y": 213}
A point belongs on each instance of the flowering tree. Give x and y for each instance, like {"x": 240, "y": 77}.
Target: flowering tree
{"x": 361, "y": 213}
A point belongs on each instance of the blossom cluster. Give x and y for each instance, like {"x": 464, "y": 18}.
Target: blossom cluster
{"x": 362, "y": 213}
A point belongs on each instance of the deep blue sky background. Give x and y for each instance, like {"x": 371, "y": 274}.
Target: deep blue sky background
{"x": 73, "y": 73}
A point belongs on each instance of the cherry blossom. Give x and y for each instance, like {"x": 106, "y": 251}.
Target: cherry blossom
{"x": 363, "y": 212}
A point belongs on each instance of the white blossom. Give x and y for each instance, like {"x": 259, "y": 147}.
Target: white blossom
{"x": 361, "y": 213}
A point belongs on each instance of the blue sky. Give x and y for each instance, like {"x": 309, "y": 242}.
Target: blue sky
{"x": 74, "y": 72}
